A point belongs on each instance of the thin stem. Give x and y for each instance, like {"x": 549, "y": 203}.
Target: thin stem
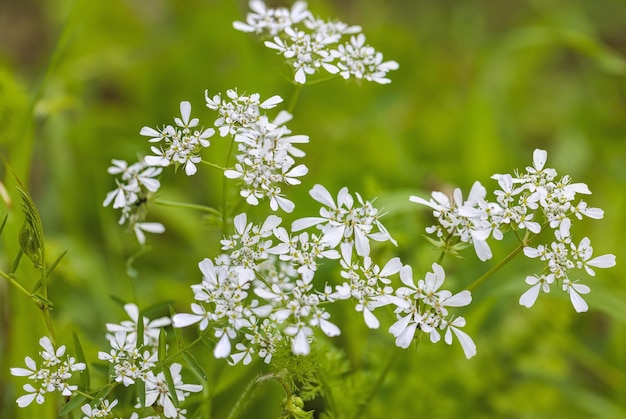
{"x": 216, "y": 166}
{"x": 225, "y": 187}
{"x": 41, "y": 301}
{"x": 249, "y": 391}
{"x": 391, "y": 362}
{"x": 180, "y": 351}
{"x": 294, "y": 98}
{"x": 189, "y": 206}
{"x": 20, "y": 287}
{"x": 496, "y": 268}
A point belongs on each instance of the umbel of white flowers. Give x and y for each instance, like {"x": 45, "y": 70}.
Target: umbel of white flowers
{"x": 261, "y": 290}
{"x": 530, "y": 200}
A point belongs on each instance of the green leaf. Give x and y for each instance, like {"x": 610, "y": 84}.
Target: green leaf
{"x": 75, "y": 402}
{"x": 80, "y": 356}
{"x": 4, "y": 222}
{"x": 157, "y": 309}
{"x": 140, "y": 329}
{"x": 118, "y": 301}
{"x": 140, "y": 386}
{"x": 104, "y": 369}
{"x": 162, "y": 345}
{"x": 177, "y": 332}
{"x": 31, "y": 234}
{"x": 55, "y": 263}
{"x": 170, "y": 385}
{"x": 194, "y": 365}
{"x": 103, "y": 393}
{"x": 16, "y": 261}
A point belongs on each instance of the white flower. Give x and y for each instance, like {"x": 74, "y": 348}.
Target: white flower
{"x": 152, "y": 328}
{"x": 53, "y": 374}
{"x": 343, "y": 221}
{"x": 539, "y": 284}
{"x": 140, "y": 228}
{"x": 180, "y": 145}
{"x": 157, "y": 390}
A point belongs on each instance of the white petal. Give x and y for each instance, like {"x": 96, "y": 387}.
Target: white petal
{"x": 271, "y": 102}
{"x": 184, "y": 319}
{"x": 222, "y": 349}
{"x": 539, "y": 158}
{"x": 300, "y": 344}
{"x": 306, "y": 222}
{"x": 468, "y": 345}
{"x": 370, "y": 320}
{"x": 529, "y": 297}
{"x": 604, "y": 261}
{"x": 321, "y": 195}
{"x": 329, "y": 328}
{"x": 406, "y": 337}
{"x": 577, "y": 301}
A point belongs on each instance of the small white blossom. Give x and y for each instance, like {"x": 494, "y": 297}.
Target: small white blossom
{"x": 55, "y": 370}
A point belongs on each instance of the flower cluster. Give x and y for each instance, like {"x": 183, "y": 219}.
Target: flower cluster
{"x": 310, "y": 44}
{"x": 52, "y": 375}
{"x": 136, "y": 185}
{"x": 266, "y": 148}
{"x": 260, "y": 293}
{"x": 532, "y": 200}
{"x": 134, "y": 358}
{"x": 180, "y": 145}
{"x": 424, "y": 307}
{"x": 265, "y": 160}
{"x": 250, "y": 293}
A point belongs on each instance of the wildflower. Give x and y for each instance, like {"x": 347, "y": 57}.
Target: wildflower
{"x": 157, "y": 390}
{"x": 423, "y": 307}
{"x": 151, "y": 329}
{"x": 343, "y": 221}
{"x": 137, "y": 185}
{"x": 266, "y": 161}
{"x": 53, "y": 374}
{"x": 238, "y": 111}
{"x": 103, "y": 411}
{"x": 272, "y": 21}
{"x": 310, "y": 44}
{"x": 356, "y": 59}
{"x": 181, "y": 144}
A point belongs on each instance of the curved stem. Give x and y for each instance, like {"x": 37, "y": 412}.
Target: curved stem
{"x": 251, "y": 388}
{"x": 180, "y": 351}
{"x": 41, "y": 301}
{"x": 189, "y": 206}
{"x": 216, "y": 166}
{"x": 225, "y": 187}
{"x": 294, "y": 98}
{"x": 496, "y": 268}
{"x": 377, "y": 385}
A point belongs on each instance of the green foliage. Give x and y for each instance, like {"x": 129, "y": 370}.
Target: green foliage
{"x": 480, "y": 85}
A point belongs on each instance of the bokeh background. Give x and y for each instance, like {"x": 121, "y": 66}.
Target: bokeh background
{"x": 481, "y": 84}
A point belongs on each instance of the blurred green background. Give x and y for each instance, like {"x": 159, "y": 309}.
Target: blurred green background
{"x": 481, "y": 84}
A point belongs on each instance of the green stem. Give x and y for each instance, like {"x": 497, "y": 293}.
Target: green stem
{"x": 225, "y": 188}
{"x": 20, "y": 287}
{"x": 496, "y": 268}
{"x": 173, "y": 356}
{"x": 249, "y": 391}
{"x": 391, "y": 362}
{"x": 41, "y": 301}
{"x": 294, "y": 98}
{"x": 186, "y": 205}
{"x": 216, "y": 166}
